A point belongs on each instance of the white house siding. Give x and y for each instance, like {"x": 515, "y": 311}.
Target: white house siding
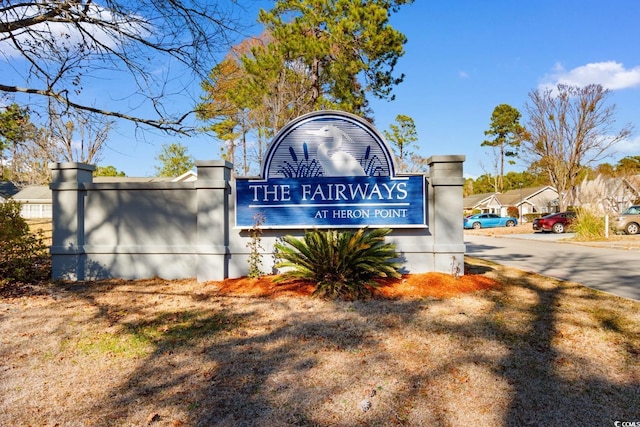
{"x": 36, "y": 210}
{"x": 543, "y": 201}
{"x": 36, "y": 201}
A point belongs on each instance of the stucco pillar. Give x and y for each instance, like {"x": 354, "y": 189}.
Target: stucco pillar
{"x": 446, "y": 183}
{"x": 68, "y": 197}
{"x": 212, "y": 246}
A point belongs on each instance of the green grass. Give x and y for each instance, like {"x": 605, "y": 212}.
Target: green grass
{"x": 181, "y": 328}
{"x": 140, "y": 338}
{"x": 100, "y": 344}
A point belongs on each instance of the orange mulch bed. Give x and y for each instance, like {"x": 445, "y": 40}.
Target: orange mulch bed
{"x": 436, "y": 285}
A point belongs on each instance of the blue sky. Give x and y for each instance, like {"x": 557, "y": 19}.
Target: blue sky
{"x": 463, "y": 58}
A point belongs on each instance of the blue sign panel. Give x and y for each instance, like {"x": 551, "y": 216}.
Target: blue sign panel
{"x": 326, "y": 170}
{"x": 332, "y": 202}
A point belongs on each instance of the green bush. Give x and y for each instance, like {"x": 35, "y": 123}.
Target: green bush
{"x": 588, "y": 226}
{"x": 341, "y": 264}
{"x": 23, "y": 255}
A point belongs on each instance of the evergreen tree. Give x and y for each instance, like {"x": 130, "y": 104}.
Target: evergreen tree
{"x": 348, "y": 48}
{"x": 174, "y": 160}
{"x": 629, "y": 165}
{"x": 402, "y": 135}
{"x": 107, "y": 171}
{"x": 507, "y": 134}
{"x": 15, "y": 128}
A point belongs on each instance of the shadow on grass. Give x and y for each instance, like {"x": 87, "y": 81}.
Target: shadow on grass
{"x": 476, "y": 268}
{"x": 544, "y": 396}
{"x": 235, "y": 364}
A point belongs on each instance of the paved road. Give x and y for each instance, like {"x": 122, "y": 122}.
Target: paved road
{"x": 616, "y": 271}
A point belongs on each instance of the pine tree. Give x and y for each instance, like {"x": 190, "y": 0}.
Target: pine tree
{"x": 174, "y": 160}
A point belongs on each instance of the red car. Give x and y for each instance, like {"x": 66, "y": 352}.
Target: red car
{"x": 556, "y": 222}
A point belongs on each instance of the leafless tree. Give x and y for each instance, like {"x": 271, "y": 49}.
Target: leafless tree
{"x": 72, "y": 136}
{"x": 494, "y": 170}
{"x": 570, "y": 127}
{"x": 77, "y": 135}
{"x": 30, "y": 161}
{"x": 66, "y": 42}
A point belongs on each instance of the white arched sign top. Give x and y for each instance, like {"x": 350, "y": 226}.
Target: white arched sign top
{"x": 328, "y": 143}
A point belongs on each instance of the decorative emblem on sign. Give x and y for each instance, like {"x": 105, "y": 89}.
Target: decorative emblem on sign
{"x": 330, "y": 169}
{"x": 340, "y": 163}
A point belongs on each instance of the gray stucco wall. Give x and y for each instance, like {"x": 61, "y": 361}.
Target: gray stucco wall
{"x": 180, "y": 230}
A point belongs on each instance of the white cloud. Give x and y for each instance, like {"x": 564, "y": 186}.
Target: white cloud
{"x": 628, "y": 147}
{"x": 611, "y": 75}
{"x": 463, "y": 74}
{"x": 65, "y": 35}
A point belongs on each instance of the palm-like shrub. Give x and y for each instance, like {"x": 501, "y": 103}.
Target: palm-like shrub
{"x": 342, "y": 264}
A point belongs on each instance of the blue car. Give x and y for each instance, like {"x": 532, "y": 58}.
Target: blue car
{"x": 487, "y": 220}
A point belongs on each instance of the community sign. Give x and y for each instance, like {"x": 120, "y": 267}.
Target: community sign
{"x": 330, "y": 169}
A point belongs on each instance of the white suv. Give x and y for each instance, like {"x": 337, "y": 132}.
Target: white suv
{"x": 629, "y": 220}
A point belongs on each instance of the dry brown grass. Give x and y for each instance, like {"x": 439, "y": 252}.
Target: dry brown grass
{"x": 522, "y": 350}
{"x": 497, "y": 231}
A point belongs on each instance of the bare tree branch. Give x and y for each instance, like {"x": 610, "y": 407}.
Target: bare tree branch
{"x": 65, "y": 42}
{"x": 165, "y": 125}
{"x": 569, "y": 128}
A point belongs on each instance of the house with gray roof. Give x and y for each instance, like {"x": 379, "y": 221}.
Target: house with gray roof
{"x": 7, "y": 190}
{"x": 605, "y": 194}
{"x": 543, "y": 199}
{"x": 35, "y": 200}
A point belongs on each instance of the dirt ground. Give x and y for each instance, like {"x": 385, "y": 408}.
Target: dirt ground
{"x": 497, "y": 347}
